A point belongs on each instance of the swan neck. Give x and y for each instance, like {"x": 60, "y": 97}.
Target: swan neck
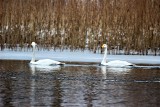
{"x": 33, "y": 55}
{"x": 105, "y": 56}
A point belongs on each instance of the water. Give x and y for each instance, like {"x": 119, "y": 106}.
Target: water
{"x": 77, "y": 85}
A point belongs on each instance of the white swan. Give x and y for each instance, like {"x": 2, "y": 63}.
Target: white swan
{"x": 115, "y": 63}
{"x": 46, "y": 62}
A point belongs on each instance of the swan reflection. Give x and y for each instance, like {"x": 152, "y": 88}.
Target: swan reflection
{"x": 44, "y": 68}
{"x": 44, "y": 97}
{"x": 105, "y": 69}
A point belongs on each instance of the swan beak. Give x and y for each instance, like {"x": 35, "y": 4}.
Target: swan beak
{"x": 103, "y": 45}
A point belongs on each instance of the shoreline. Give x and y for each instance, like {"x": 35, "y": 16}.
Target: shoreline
{"x": 77, "y": 57}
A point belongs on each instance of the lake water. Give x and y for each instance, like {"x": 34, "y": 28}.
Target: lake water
{"x": 77, "y": 85}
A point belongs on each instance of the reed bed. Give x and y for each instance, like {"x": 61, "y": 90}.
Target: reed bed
{"x": 129, "y": 25}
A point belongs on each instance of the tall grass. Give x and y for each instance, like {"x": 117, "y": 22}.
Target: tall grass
{"x": 131, "y": 25}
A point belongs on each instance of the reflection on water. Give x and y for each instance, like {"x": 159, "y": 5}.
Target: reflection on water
{"x": 114, "y": 70}
{"x": 77, "y": 86}
{"x": 44, "y": 68}
{"x": 119, "y": 71}
{"x": 44, "y": 96}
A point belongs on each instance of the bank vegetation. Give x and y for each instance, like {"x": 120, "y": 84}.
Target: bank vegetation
{"x": 128, "y": 25}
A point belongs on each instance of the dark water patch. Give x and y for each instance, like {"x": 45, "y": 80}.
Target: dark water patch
{"x": 77, "y": 85}
{"x": 147, "y": 67}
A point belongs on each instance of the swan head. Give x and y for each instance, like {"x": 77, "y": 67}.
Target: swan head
{"x": 33, "y": 44}
{"x": 104, "y": 45}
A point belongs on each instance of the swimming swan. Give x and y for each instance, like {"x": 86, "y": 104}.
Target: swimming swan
{"x": 46, "y": 62}
{"x": 115, "y": 63}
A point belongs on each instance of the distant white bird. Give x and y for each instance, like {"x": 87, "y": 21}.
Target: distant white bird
{"x": 46, "y": 62}
{"x": 115, "y": 63}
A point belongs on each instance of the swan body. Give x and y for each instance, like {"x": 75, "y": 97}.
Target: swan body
{"x": 115, "y": 63}
{"x": 46, "y": 62}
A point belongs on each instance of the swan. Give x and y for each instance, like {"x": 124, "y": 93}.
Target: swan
{"x": 115, "y": 63}
{"x": 44, "y": 62}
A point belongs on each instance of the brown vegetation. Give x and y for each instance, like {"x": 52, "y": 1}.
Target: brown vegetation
{"x": 130, "y": 24}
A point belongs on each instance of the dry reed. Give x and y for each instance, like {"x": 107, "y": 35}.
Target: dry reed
{"x": 130, "y": 25}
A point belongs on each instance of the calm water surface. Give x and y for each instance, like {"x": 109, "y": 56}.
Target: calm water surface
{"x": 74, "y": 85}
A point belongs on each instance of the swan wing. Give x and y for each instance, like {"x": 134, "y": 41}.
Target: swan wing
{"x": 117, "y": 63}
